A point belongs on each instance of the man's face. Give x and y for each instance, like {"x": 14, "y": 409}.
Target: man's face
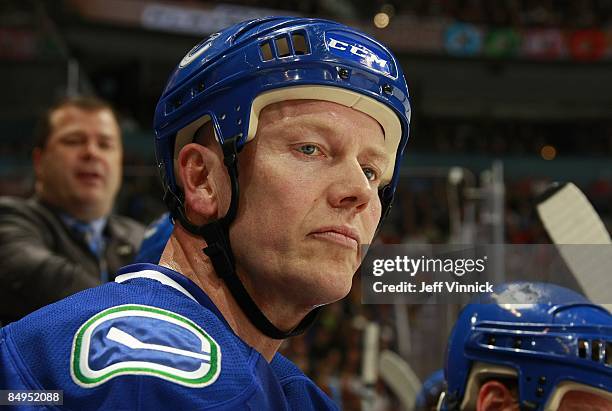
{"x": 309, "y": 198}
{"x": 79, "y": 169}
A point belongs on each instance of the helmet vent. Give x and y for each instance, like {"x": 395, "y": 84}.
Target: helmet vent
{"x": 200, "y": 87}
{"x": 266, "y": 51}
{"x": 583, "y": 346}
{"x": 293, "y": 44}
{"x": 601, "y": 351}
{"x": 300, "y": 45}
{"x": 596, "y": 350}
{"x": 282, "y": 47}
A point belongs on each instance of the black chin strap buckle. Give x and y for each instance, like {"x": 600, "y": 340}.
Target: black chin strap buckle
{"x": 230, "y": 151}
{"x": 218, "y": 248}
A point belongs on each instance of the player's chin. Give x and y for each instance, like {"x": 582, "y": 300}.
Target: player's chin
{"x": 332, "y": 282}
{"x": 325, "y": 296}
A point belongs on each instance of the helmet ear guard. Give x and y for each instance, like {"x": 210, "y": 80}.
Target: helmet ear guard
{"x": 231, "y": 76}
{"x": 479, "y": 374}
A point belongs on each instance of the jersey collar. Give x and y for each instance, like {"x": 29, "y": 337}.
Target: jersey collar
{"x": 172, "y": 279}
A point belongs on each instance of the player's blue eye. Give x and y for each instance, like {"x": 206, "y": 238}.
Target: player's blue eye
{"x": 370, "y": 173}
{"x": 308, "y": 149}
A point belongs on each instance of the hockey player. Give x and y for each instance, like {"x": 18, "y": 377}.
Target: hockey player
{"x": 279, "y": 141}
{"x": 530, "y": 346}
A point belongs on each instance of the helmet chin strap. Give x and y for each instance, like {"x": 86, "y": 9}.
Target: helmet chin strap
{"x": 219, "y": 250}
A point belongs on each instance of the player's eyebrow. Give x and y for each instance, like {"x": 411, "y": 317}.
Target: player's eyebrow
{"x": 325, "y": 128}
{"x": 377, "y": 155}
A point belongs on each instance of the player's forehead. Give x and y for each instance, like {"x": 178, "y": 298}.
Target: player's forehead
{"x": 296, "y": 108}
{"x": 328, "y": 117}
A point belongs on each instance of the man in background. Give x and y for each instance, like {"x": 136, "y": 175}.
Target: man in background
{"x": 64, "y": 239}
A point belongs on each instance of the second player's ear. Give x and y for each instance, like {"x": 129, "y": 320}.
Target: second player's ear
{"x": 495, "y": 396}
{"x": 197, "y": 167}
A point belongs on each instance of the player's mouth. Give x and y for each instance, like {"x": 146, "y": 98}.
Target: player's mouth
{"x": 341, "y": 235}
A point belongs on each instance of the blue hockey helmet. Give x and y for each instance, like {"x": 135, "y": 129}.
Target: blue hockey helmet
{"x": 549, "y": 339}
{"x": 230, "y": 76}
{"x": 428, "y": 398}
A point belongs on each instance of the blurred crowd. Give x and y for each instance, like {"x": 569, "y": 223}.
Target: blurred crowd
{"x": 516, "y": 13}
{"x": 511, "y": 138}
{"x": 521, "y": 13}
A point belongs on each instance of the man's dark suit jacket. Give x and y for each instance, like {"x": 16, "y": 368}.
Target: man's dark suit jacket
{"x": 43, "y": 261}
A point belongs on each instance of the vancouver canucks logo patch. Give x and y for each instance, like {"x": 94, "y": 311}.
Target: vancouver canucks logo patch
{"x": 143, "y": 340}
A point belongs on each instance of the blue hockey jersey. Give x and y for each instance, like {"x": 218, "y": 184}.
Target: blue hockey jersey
{"x": 150, "y": 340}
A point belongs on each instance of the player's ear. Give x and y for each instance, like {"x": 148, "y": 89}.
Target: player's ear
{"x": 197, "y": 169}
{"x": 495, "y": 396}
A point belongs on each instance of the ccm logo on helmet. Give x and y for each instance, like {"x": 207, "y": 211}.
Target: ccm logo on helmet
{"x": 365, "y": 55}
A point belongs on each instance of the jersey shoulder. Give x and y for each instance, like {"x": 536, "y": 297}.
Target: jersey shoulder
{"x": 139, "y": 342}
{"x": 301, "y": 392}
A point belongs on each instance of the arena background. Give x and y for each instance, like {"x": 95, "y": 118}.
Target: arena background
{"x": 508, "y": 96}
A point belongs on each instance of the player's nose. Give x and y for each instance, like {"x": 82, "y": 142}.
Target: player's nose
{"x": 351, "y": 188}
